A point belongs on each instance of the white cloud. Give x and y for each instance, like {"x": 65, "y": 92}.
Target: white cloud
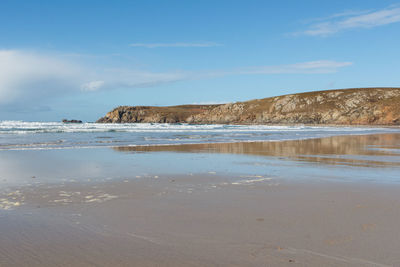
{"x": 92, "y": 86}
{"x": 131, "y": 78}
{"x": 346, "y": 13}
{"x": 310, "y": 67}
{"x": 353, "y": 20}
{"x": 156, "y": 45}
{"x": 24, "y": 75}
{"x": 28, "y": 78}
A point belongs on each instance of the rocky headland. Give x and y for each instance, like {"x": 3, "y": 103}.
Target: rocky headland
{"x": 360, "y": 106}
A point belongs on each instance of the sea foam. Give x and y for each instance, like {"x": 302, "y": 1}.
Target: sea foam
{"x": 20, "y": 135}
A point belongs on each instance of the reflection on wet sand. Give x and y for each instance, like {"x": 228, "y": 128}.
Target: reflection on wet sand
{"x": 378, "y": 150}
{"x": 84, "y": 207}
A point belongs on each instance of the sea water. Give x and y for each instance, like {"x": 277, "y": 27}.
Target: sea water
{"x": 19, "y": 135}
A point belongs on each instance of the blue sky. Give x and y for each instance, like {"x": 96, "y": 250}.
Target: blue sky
{"x": 80, "y": 59}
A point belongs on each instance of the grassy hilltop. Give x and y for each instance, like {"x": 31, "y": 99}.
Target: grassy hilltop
{"x": 359, "y": 106}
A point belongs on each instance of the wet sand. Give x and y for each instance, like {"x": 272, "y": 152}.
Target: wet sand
{"x": 321, "y": 202}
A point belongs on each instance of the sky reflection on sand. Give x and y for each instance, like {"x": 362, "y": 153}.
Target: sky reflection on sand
{"x": 346, "y": 158}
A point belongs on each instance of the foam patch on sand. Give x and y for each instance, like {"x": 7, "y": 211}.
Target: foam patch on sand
{"x": 78, "y": 197}
{"x": 99, "y": 198}
{"x": 11, "y": 200}
{"x": 252, "y": 180}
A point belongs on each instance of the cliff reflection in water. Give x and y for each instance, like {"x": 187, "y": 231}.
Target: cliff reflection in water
{"x": 377, "y": 150}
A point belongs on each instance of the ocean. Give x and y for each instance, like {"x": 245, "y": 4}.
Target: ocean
{"x": 20, "y": 135}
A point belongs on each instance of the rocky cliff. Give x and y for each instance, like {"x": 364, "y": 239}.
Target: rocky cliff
{"x": 361, "y": 106}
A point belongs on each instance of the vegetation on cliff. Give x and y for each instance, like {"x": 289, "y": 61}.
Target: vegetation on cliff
{"x": 361, "y": 106}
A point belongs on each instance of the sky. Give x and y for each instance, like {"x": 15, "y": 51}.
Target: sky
{"x": 80, "y": 59}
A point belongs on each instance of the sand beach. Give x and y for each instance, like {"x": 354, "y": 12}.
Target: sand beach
{"x": 316, "y": 202}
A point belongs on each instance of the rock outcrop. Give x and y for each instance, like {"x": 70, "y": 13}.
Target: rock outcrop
{"x": 71, "y": 121}
{"x": 174, "y": 114}
{"x": 361, "y": 106}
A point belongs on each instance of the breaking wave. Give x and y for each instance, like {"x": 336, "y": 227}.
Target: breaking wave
{"x": 20, "y": 135}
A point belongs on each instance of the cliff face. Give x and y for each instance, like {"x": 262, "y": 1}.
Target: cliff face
{"x": 174, "y": 114}
{"x": 363, "y": 106}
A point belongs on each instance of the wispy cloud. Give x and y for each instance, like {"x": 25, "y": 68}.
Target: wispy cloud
{"x": 346, "y": 13}
{"x": 28, "y": 77}
{"x": 310, "y": 67}
{"x": 349, "y": 20}
{"x": 156, "y": 45}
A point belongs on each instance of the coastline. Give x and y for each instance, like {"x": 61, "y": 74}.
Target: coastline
{"x": 43, "y": 136}
{"x": 359, "y": 106}
{"x": 199, "y": 134}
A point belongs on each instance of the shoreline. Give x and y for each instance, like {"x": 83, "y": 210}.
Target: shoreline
{"x": 22, "y": 147}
